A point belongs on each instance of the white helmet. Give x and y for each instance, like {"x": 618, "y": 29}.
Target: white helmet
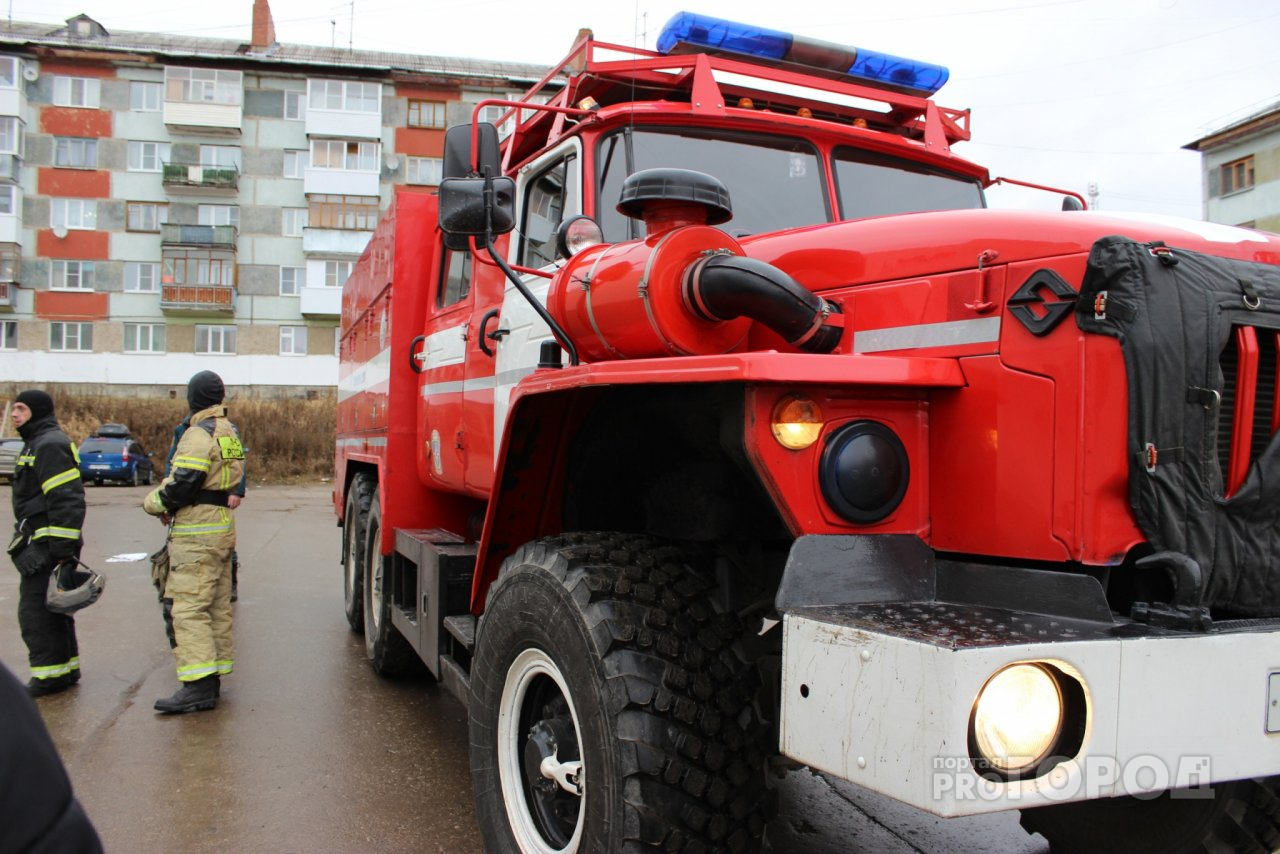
{"x": 87, "y": 586}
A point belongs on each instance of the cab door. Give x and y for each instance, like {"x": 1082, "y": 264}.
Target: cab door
{"x": 442, "y": 370}
{"x": 508, "y": 332}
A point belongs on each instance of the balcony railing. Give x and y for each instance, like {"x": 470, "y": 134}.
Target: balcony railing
{"x": 220, "y": 236}
{"x": 196, "y": 176}
{"x": 198, "y": 299}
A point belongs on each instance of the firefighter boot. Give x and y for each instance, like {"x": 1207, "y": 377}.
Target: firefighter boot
{"x": 53, "y": 685}
{"x": 197, "y": 696}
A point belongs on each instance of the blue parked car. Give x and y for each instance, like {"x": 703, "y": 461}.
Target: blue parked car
{"x": 115, "y": 457}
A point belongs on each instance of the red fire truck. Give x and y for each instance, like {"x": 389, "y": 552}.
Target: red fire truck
{"x": 711, "y": 420}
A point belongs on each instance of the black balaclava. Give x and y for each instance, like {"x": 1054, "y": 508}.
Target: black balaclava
{"x": 39, "y": 402}
{"x": 204, "y": 390}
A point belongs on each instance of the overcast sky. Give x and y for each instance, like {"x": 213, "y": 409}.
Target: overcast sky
{"x": 1063, "y": 92}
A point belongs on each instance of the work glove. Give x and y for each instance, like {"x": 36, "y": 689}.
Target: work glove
{"x": 66, "y": 573}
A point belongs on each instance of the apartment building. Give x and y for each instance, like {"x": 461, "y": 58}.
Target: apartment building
{"x": 1240, "y": 164}
{"x": 170, "y": 204}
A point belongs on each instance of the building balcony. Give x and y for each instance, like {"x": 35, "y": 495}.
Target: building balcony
{"x": 339, "y": 182}
{"x": 198, "y": 299}
{"x": 205, "y": 180}
{"x": 333, "y": 241}
{"x": 203, "y": 118}
{"x": 10, "y": 168}
{"x": 320, "y": 302}
{"x": 343, "y": 125}
{"x": 11, "y": 100}
{"x": 203, "y": 236}
{"x": 6, "y": 296}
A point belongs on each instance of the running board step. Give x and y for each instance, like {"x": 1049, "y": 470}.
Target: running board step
{"x": 463, "y": 629}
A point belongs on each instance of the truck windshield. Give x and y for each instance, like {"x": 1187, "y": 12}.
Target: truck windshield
{"x": 773, "y": 182}
{"x": 878, "y": 186}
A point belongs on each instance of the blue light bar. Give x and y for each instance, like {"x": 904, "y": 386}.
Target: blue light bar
{"x": 690, "y": 33}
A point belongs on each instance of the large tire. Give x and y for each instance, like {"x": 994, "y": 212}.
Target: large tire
{"x": 606, "y": 650}
{"x": 1242, "y": 817}
{"x": 389, "y": 653}
{"x": 146, "y": 480}
{"x": 353, "y": 526}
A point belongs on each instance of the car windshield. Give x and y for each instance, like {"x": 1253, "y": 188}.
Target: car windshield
{"x": 773, "y": 182}
{"x": 102, "y": 446}
{"x": 878, "y": 186}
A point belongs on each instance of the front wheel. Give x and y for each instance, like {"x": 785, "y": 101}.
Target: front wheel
{"x": 1242, "y": 816}
{"x": 611, "y": 708}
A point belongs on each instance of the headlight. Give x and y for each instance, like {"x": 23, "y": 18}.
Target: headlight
{"x": 796, "y": 422}
{"x": 864, "y": 471}
{"x": 1017, "y": 718}
{"x": 577, "y": 233}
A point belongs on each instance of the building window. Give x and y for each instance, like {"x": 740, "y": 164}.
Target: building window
{"x": 71, "y": 275}
{"x": 10, "y": 135}
{"x": 345, "y": 96}
{"x": 220, "y": 156}
{"x": 357, "y": 213}
{"x": 203, "y": 86}
{"x": 215, "y": 339}
{"x": 293, "y": 105}
{"x": 9, "y": 72}
{"x": 145, "y": 216}
{"x": 71, "y": 337}
{"x": 141, "y": 277}
{"x": 346, "y": 155}
{"x": 76, "y": 92}
{"x": 198, "y": 267}
{"x": 295, "y": 164}
{"x": 336, "y": 272}
{"x": 144, "y": 337}
{"x": 426, "y": 114}
{"x": 6, "y": 199}
{"x": 293, "y": 340}
{"x": 147, "y": 156}
{"x": 292, "y": 281}
{"x": 293, "y": 221}
{"x": 219, "y": 215}
{"x": 9, "y": 335}
{"x": 425, "y": 170}
{"x": 75, "y": 152}
{"x": 145, "y": 97}
{"x": 73, "y": 213}
{"x": 1236, "y": 175}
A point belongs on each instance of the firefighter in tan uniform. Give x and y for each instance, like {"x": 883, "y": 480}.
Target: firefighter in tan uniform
{"x": 193, "y": 499}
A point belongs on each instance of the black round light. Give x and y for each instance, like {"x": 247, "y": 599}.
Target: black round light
{"x": 864, "y": 471}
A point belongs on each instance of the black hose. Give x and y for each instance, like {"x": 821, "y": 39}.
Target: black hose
{"x": 725, "y": 287}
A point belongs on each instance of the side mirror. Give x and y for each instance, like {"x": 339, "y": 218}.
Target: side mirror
{"x": 462, "y": 207}
{"x": 457, "y": 152}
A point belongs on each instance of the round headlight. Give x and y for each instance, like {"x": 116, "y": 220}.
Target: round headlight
{"x": 577, "y": 233}
{"x": 796, "y": 422}
{"x": 1017, "y": 719}
{"x": 864, "y": 471}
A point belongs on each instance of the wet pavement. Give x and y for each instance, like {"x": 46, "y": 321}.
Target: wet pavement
{"x": 308, "y": 750}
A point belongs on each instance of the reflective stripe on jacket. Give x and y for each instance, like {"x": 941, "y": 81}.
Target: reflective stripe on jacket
{"x": 48, "y": 494}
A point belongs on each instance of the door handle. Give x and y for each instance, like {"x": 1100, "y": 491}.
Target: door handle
{"x": 495, "y": 335}
{"x": 416, "y": 359}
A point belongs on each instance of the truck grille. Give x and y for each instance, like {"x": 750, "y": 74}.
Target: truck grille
{"x": 1248, "y": 416}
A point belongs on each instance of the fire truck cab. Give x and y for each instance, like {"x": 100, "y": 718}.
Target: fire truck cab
{"x": 709, "y": 418}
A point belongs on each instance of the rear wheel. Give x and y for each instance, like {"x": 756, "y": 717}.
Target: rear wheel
{"x": 134, "y": 479}
{"x": 1242, "y": 817}
{"x": 610, "y": 707}
{"x": 353, "y": 526}
{"x": 389, "y": 653}
{"x": 146, "y": 478}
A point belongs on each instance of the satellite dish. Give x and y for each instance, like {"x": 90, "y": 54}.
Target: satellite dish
{"x": 393, "y": 162}
{"x": 30, "y": 73}
{"x": 59, "y": 231}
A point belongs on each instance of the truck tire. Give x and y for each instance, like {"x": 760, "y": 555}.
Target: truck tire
{"x": 1243, "y": 817}
{"x": 606, "y": 650}
{"x": 389, "y": 653}
{"x": 354, "y": 521}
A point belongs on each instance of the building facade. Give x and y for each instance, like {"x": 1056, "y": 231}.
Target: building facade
{"x": 1241, "y": 170}
{"x": 170, "y": 204}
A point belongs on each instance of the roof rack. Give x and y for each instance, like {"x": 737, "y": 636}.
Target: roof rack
{"x": 602, "y": 75}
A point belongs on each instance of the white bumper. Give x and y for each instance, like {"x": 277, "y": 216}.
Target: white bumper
{"x": 890, "y": 711}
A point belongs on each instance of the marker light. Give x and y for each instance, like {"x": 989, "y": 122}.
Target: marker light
{"x": 796, "y": 422}
{"x": 1018, "y": 717}
{"x": 690, "y": 33}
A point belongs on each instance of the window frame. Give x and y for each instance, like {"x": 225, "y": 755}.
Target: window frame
{"x": 292, "y": 334}
{"x": 147, "y": 89}
{"x": 8, "y": 334}
{"x": 160, "y": 213}
{"x": 78, "y": 152}
{"x": 224, "y": 331}
{"x": 344, "y": 213}
{"x": 299, "y": 103}
{"x": 139, "y": 147}
{"x": 60, "y": 273}
{"x": 413, "y": 169}
{"x": 439, "y": 119}
{"x": 1236, "y": 176}
{"x": 87, "y": 209}
{"x": 299, "y": 217}
{"x": 209, "y": 214}
{"x": 369, "y": 151}
{"x": 152, "y": 328}
{"x": 301, "y": 158}
{"x": 332, "y": 270}
{"x": 299, "y": 276}
{"x": 64, "y": 92}
{"x": 187, "y": 85}
{"x": 137, "y": 277}
{"x": 63, "y": 326}
{"x": 337, "y": 96}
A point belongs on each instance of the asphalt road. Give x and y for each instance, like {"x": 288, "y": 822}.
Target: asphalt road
{"x": 308, "y": 750}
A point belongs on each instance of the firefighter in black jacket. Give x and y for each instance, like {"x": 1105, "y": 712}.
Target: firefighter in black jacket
{"x": 48, "y": 512}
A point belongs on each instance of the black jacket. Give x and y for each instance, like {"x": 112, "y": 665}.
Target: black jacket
{"x": 48, "y": 495}
{"x": 38, "y": 812}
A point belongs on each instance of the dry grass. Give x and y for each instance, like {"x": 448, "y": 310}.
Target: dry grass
{"x": 287, "y": 440}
